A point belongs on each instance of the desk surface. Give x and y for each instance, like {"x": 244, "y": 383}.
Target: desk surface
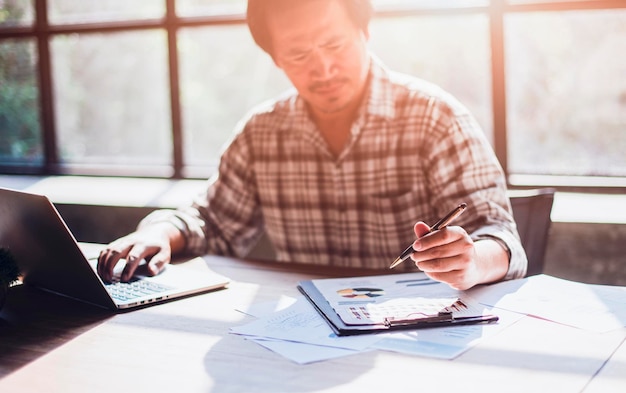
{"x": 52, "y": 344}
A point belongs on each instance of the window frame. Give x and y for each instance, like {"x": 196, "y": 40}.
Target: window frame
{"x": 42, "y": 32}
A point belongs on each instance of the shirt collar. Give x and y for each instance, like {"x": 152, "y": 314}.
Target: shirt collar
{"x": 380, "y": 100}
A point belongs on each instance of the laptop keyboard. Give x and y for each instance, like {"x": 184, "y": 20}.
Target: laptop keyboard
{"x": 124, "y": 291}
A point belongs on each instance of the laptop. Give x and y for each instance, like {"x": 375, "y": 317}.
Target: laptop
{"x": 50, "y": 258}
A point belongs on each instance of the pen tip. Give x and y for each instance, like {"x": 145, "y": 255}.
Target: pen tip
{"x": 395, "y": 263}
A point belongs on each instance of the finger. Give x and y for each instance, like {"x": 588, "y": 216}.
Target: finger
{"x": 136, "y": 256}
{"x": 444, "y": 258}
{"x": 420, "y": 229}
{"x": 438, "y": 265}
{"x": 158, "y": 261}
{"x": 455, "y": 279}
{"x": 107, "y": 260}
{"x": 442, "y": 237}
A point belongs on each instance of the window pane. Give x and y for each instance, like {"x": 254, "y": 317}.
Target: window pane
{"x": 451, "y": 51}
{"x": 112, "y": 98}
{"x": 20, "y": 132}
{"x": 545, "y": 1}
{"x": 567, "y": 92}
{"x": 210, "y": 7}
{"x": 220, "y": 82}
{"x": 381, "y": 4}
{"x": 16, "y": 13}
{"x": 81, "y": 11}
{"x": 216, "y": 7}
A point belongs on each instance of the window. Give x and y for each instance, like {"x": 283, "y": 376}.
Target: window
{"x": 111, "y": 98}
{"x": 449, "y": 50}
{"x": 16, "y": 13}
{"x": 219, "y": 84}
{"x": 19, "y": 108}
{"x": 567, "y": 101}
{"x": 62, "y": 12}
{"x": 155, "y": 87}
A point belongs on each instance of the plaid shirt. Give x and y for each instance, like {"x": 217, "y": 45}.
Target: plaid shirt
{"x": 414, "y": 153}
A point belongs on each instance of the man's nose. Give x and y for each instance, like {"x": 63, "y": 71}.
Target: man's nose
{"x": 323, "y": 64}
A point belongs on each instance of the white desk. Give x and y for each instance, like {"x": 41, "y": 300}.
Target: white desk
{"x": 52, "y": 344}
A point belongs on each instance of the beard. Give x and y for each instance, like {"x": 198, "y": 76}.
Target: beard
{"x": 329, "y": 96}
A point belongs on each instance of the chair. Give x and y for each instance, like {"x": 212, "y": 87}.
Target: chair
{"x": 531, "y": 211}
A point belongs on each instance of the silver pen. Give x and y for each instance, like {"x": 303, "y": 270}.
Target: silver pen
{"x": 438, "y": 225}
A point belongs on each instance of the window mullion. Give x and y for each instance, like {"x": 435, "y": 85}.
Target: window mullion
{"x": 177, "y": 131}
{"x": 46, "y": 98}
{"x": 496, "y": 28}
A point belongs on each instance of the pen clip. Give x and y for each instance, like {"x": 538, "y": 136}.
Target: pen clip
{"x": 444, "y": 316}
{"x": 449, "y": 217}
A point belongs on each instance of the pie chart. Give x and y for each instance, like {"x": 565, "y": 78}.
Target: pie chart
{"x": 361, "y": 293}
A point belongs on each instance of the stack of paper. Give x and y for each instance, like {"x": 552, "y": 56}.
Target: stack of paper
{"x": 299, "y": 333}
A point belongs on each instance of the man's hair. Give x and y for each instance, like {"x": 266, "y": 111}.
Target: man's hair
{"x": 360, "y": 11}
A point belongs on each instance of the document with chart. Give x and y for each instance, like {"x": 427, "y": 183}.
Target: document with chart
{"x": 387, "y": 302}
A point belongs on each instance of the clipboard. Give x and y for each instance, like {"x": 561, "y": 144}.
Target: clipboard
{"x": 341, "y": 328}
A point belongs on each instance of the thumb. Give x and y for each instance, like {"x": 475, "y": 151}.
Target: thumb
{"x": 421, "y": 229}
{"x": 158, "y": 262}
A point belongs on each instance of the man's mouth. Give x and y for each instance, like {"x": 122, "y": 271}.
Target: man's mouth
{"x": 327, "y": 87}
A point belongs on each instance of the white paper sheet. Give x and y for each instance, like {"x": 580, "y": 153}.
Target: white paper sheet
{"x": 598, "y": 308}
{"x": 300, "y": 334}
{"x": 303, "y": 353}
{"x": 264, "y": 309}
{"x": 375, "y": 299}
{"x": 301, "y": 323}
{"x": 445, "y": 342}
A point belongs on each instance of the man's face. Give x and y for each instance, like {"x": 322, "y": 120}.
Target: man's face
{"x": 322, "y": 52}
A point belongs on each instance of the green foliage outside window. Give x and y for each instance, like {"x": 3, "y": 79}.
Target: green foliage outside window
{"x": 19, "y": 96}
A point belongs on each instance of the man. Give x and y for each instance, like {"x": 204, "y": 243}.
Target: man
{"x": 338, "y": 172}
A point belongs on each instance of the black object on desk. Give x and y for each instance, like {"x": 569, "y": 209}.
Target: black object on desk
{"x": 321, "y": 304}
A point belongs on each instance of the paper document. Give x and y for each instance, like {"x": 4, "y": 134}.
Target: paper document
{"x": 598, "y": 308}
{"x": 395, "y": 297}
{"x": 297, "y": 332}
{"x": 445, "y": 342}
{"x": 298, "y": 352}
{"x": 301, "y": 323}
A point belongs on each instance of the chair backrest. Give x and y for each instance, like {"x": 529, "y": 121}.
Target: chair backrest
{"x": 531, "y": 211}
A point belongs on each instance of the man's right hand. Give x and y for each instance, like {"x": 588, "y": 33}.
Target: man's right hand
{"x": 152, "y": 244}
